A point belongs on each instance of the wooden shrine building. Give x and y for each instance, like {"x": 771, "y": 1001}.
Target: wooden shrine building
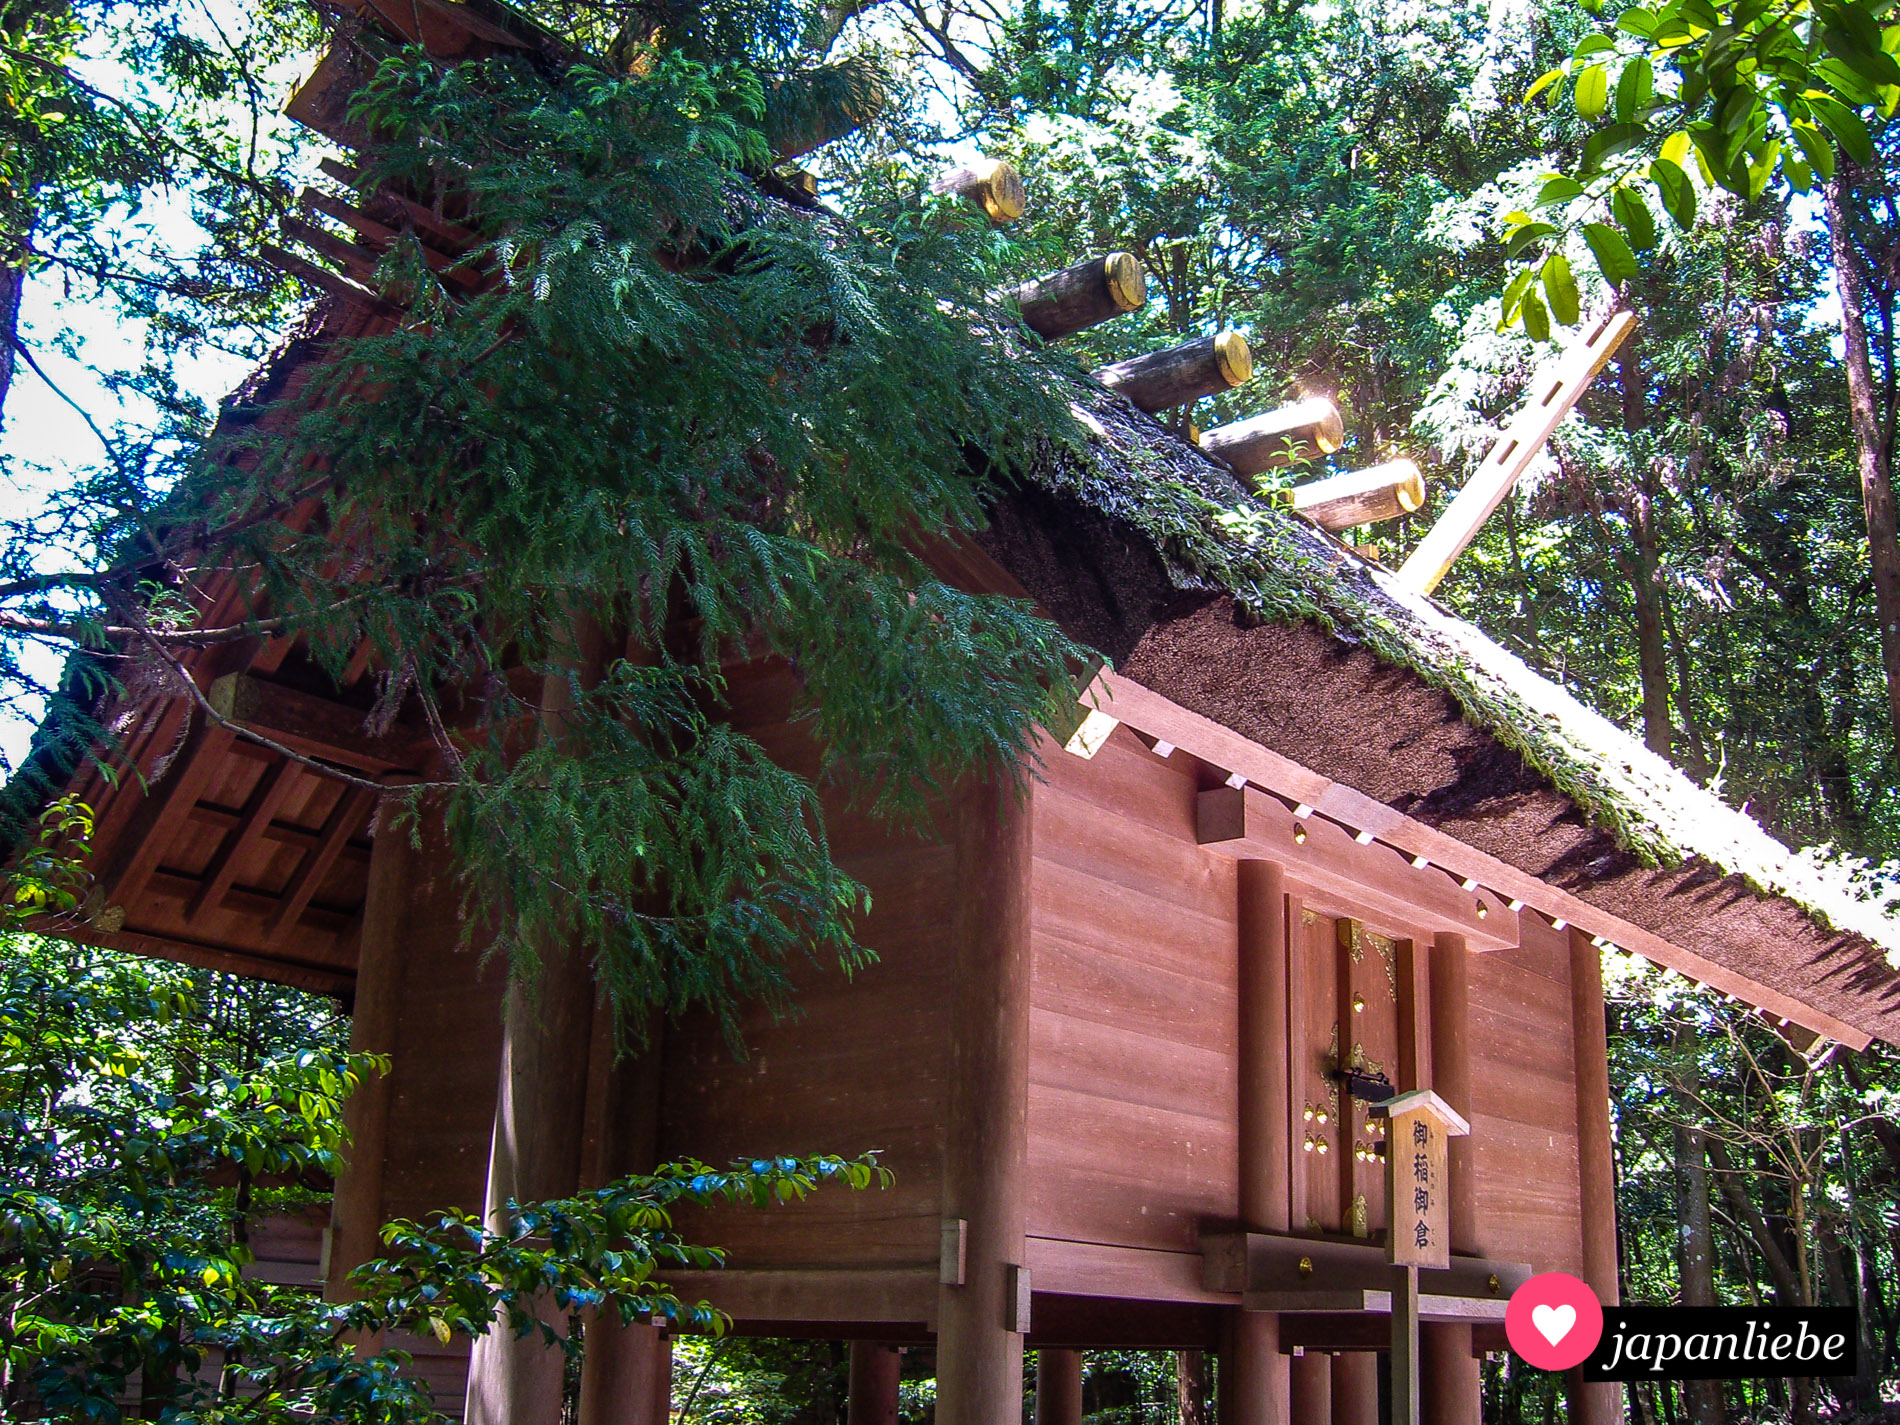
{"x": 1309, "y": 834}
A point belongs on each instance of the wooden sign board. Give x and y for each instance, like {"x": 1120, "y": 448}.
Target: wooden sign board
{"x": 1417, "y": 1186}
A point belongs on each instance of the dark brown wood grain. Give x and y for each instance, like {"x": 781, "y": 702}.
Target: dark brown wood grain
{"x": 1161, "y": 380}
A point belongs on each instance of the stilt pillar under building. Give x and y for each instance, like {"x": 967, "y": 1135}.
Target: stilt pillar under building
{"x": 1058, "y": 1387}
{"x": 1356, "y": 1388}
{"x": 876, "y": 1369}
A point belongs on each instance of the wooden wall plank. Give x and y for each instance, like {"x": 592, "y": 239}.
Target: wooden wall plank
{"x": 1133, "y": 1089}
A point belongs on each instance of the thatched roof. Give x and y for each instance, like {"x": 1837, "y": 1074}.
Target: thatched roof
{"x": 1240, "y": 610}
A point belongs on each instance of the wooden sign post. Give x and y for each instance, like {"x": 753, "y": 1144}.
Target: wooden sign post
{"x": 1418, "y": 1207}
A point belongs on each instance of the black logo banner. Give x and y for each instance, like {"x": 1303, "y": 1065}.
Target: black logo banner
{"x": 1723, "y": 1343}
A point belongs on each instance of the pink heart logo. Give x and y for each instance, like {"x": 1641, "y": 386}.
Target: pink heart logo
{"x": 1553, "y": 1321}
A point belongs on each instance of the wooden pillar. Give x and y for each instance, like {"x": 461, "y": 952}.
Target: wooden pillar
{"x": 1256, "y": 1388}
{"x": 1255, "y": 1373}
{"x": 1600, "y": 1404}
{"x": 875, "y": 1371}
{"x": 626, "y": 1371}
{"x": 981, "y": 1320}
{"x": 1405, "y": 1375}
{"x": 1058, "y": 1387}
{"x": 1312, "y": 1388}
{"x": 1448, "y": 1372}
{"x": 534, "y": 1154}
{"x": 356, "y": 1208}
{"x": 1355, "y": 1388}
{"x": 1449, "y": 1385}
{"x": 626, "y": 1374}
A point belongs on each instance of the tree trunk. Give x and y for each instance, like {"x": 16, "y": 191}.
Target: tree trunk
{"x": 1876, "y": 487}
{"x": 12, "y": 282}
{"x": 1644, "y": 566}
{"x": 1695, "y": 1236}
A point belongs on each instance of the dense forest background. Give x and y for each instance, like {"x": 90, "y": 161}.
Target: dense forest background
{"x": 1691, "y": 557}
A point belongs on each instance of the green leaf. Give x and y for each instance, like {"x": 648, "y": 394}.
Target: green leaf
{"x": 1870, "y": 62}
{"x": 1815, "y": 147}
{"x": 1845, "y": 82}
{"x": 1548, "y": 78}
{"x": 1522, "y": 237}
{"x": 1560, "y": 289}
{"x": 1800, "y": 176}
{"x": 1558, "y": 190}
{"x": 1678, "y": 192}
{"x": 1737, "y": 108}
{"x": 1593, "y": 92}
{"x": 1635, "y": 88}
{"x": 1613, "y": 255}
{"x": 1592, "y": 44}
{"x": 1514, "y": 291}
{"x": 1700, "y": 13}
{"x": 1763, "y": 168}
{"x": 1637, "y": 21}
{"x": 1536, "y": 318}
{"x": 1634, "y": 216}
{"x": 1607, "y": 143}
{"x": 1846, "y": 126}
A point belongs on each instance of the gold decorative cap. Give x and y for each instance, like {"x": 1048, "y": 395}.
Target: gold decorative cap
{"x": 1127, "y": 280}
{"x": 1001, "y": 191}
{"x": 1235, "y": 357}
{"x": 1410, "y": 490}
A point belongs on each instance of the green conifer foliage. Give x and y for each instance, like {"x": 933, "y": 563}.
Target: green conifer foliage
{"x": 691, "y": 424}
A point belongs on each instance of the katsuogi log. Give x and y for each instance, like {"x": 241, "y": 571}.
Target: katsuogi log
{"x": 1165, "y": 379}
{"x": 1383, "y": 492}
{"x": 993, "y": 184}
{"x": 1081, "y": 296}
{"x": 1274, "y": 440}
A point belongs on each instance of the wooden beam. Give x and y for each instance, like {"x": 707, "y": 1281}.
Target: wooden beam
{"x": 895, "y": 1295}
{"x": 1082, "y": 296}
{"x": 1247, "y": 823}
{"x": 1277, "y": 439}
{"x": 283, "y": 833}
{"x": 1067, "y": 1268}
{"x": 452, "y": 237}
{"x": 1147, "y": 711}
{"x": 143, "y": 844}
{"x": 1173, "y": 377}
{"x": 1553, "y": 392}
{"x": 325, "y": 280}
{"x": 1256, "y": 1263}
{"x": 306, "y": 723}
{"x": 1382, "y": 492}
{"x": 345, "y": 819}
{"x": 254, "y": 821}
{"x": 1265, "y": 1106}
{"x": 993, "y": 184}
{"x": 318, "y": 979}
{"x": 242, "y": 903}
{"x": 358, "y": 260}
{"x": 383, "y": 236}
